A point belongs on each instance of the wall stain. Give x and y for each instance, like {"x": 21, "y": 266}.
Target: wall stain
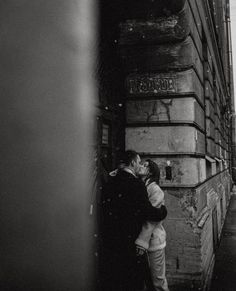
{"x": 157, "y": 111}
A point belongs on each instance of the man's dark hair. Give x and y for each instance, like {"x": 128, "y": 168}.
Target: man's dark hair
{"x": 129, "y": 156}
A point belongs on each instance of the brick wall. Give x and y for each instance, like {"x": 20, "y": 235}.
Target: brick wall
{"x": 189, "y": 226}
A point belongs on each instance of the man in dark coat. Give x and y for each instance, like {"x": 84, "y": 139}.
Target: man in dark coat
{"x": 125, "y": 208}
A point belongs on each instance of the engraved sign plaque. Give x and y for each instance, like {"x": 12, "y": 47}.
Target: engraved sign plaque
{"x": 160, "y": 84}
{"x": 151, "y": 85}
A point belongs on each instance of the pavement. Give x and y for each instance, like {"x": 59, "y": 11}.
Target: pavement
{"x": 224, "y": 274}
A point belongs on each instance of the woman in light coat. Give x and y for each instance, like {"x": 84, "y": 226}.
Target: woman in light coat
{"x": 153, "y": 236}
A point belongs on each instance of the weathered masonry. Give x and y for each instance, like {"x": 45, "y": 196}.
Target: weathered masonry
{"x": 169, "y": 70}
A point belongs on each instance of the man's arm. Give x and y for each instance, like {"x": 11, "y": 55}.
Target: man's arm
{"x": 145, "y": 208}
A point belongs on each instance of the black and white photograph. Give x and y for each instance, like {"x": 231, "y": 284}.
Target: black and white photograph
{"x": 117, "y": 145}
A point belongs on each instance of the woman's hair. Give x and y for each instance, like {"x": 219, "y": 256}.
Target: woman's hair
{"x": 154, "y": 172}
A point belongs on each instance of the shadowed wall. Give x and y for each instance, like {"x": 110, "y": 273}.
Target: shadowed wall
{"x": 46, "y": 93}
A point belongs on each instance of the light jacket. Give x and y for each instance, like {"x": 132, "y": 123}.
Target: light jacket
{"x": 153, "y": 236}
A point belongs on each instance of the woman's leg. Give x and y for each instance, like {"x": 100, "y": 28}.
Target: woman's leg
{"x": 158, "y": 270}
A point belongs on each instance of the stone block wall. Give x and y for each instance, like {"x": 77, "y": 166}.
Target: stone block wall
{"x": 190, "y": 230}
{"x": 177, "y": 114}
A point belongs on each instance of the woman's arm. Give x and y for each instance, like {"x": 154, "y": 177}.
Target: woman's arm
{"x": 155, "y": 195}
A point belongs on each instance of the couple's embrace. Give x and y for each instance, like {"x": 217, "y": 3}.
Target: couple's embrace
{"x": 133, "y": 235}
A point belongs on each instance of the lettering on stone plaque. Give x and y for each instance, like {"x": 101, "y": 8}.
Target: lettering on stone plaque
{"x": 151, "y": 85}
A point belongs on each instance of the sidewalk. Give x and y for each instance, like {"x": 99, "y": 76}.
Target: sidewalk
{"x": 224, "y": 274}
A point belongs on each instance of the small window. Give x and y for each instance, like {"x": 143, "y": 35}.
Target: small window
{"x": 105, "y": 134}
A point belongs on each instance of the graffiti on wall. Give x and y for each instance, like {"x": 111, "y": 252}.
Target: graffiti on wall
{"x": 157, "y": 110}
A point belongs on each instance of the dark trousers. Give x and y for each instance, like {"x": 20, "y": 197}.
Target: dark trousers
{"x": 125, "y": 272}
{"x": 144, "y": 273}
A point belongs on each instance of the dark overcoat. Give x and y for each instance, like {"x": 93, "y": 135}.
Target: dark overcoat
{"x": 125, "y": 207}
